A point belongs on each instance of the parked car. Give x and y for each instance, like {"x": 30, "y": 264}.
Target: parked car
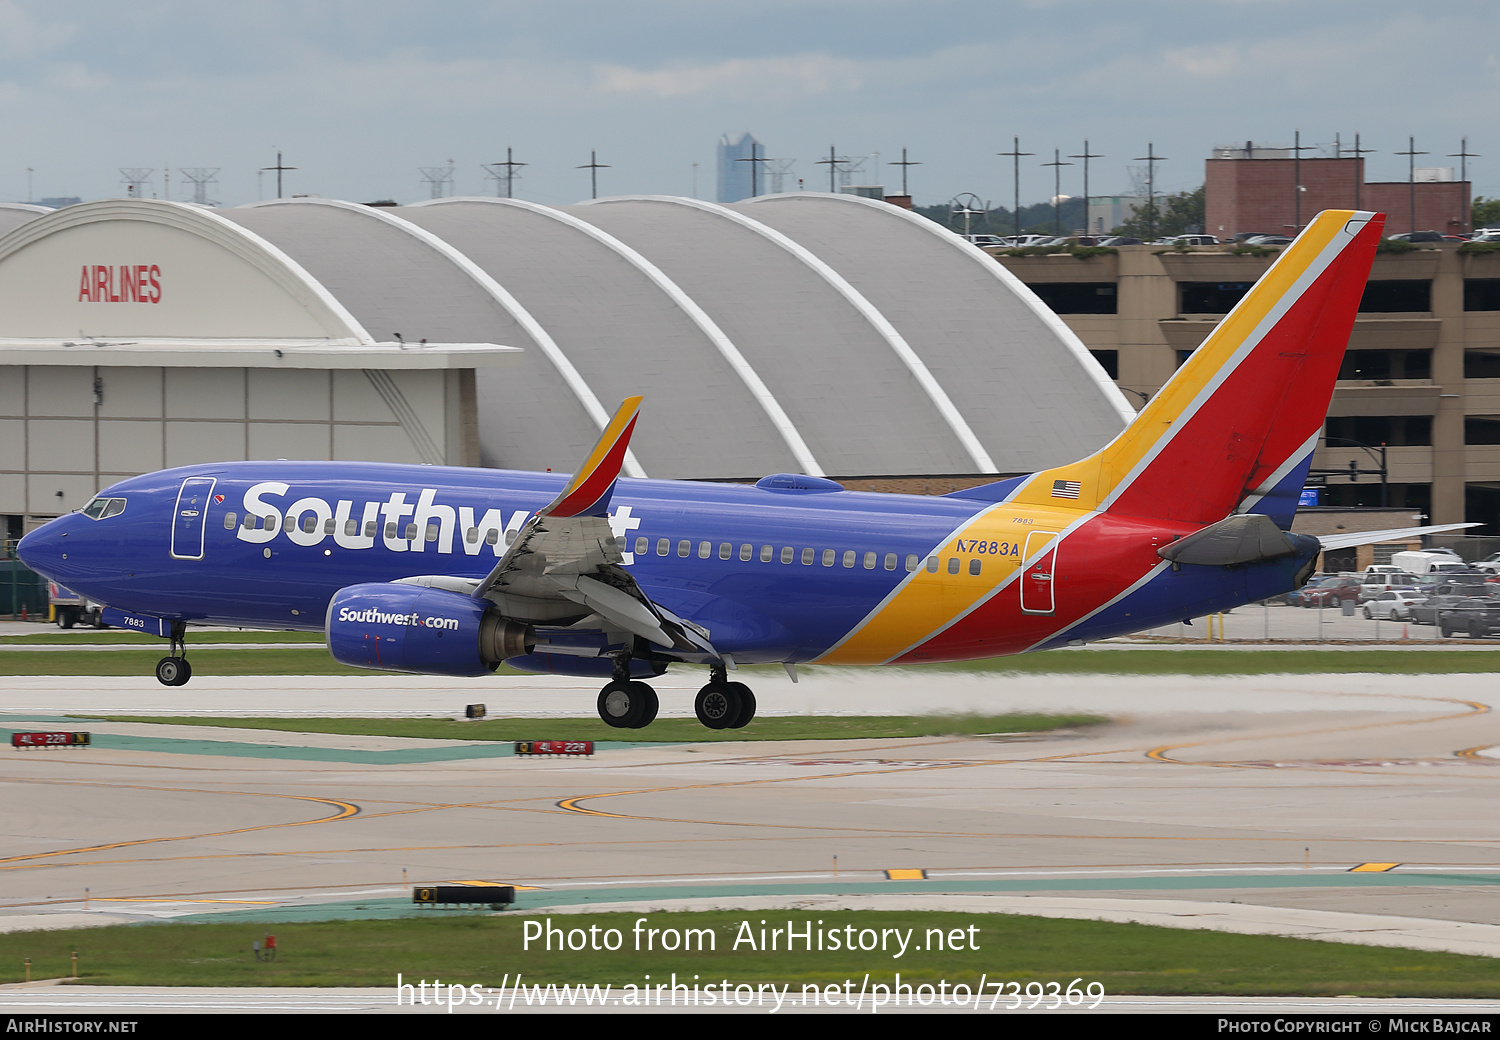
{"x": 1331, "y": 593}
{"x": 1374, "y": 584}
{"x": 1416, "y": 236}
{"x": 987, "y": 240}
{"x": 1448, "y": 595}
{"x": 1393, "y": 604}
{"x": 1479, "y": 617}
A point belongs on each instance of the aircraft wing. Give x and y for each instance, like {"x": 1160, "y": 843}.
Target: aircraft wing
{"x": 565, "y": 557}
{"x": 1396, "y": 534}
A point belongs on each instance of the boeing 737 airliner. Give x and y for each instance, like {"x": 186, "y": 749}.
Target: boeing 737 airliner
{"x": 451, "y": 571}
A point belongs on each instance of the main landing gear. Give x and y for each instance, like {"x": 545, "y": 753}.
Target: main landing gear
{"x": 174, "y": 669}
{"x": 627, "y": 703}
{"x": 723, "y": 704}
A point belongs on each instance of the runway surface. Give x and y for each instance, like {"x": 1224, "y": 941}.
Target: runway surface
{"x": 1239, "y": 803}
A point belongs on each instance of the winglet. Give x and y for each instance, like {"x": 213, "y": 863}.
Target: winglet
{"x": 587, "y": 494}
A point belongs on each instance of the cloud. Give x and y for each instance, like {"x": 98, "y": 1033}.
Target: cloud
{"x": 737, "y": 78}
{"x": 22, "y": 36}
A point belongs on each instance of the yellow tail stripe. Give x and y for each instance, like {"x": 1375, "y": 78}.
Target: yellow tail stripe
{"x": 1102, "y": 472}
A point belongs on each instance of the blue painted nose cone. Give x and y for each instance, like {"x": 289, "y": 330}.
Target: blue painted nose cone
{"x": 42, "y": 549}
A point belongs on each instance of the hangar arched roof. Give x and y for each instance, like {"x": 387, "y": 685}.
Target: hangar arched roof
{"x": 625, "y": 326}
{"x": 14, "y": 214}
{"x": 821, "y": 333}
{"x": 976, "y": 325}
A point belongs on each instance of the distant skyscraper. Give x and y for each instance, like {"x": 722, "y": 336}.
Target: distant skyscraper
{"x": 735, "y": 176}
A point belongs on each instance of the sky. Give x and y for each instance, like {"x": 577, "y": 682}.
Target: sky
{"x": 360, "y": 96}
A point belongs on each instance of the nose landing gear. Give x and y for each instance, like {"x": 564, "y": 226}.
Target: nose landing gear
{"x": 174, "y": 669}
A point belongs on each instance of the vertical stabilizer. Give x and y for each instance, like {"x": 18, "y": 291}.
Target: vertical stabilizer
{"x": 1233, "y": 428}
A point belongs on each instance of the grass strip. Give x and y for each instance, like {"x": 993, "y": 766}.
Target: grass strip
{"x": 1144, "y": 661}
{"x": 86, "y": 637}
{"x": 797, "y": 727}
{"x": 312, "y": 661}
{"x": 463, "y": 947}
{"x": 1312, "y": 661}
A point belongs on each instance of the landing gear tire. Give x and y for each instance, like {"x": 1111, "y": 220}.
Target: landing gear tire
{"x": 173, "y": 671}
{"x": 718, "y": 705}
{"x": 625, "y": 704}
{"x": 747, "y": 706}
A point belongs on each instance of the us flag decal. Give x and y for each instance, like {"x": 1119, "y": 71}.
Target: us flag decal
{"x": 1066, "y": 488}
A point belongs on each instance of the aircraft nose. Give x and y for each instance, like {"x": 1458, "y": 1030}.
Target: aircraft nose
{"x": 42, "y": 549}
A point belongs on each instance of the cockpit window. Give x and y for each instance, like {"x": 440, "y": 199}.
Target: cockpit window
{"x": 103, "y": 508}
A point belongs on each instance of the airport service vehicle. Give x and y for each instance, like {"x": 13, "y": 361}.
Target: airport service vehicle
{"x": 69, "y": 608}
{"x": 1430, "y": 561}
{"x": 451, "y": 571}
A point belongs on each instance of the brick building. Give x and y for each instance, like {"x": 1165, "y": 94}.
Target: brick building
{"x": 1259, "y": 194}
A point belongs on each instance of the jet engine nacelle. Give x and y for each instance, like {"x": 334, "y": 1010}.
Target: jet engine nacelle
{"x": 412, "y": 628}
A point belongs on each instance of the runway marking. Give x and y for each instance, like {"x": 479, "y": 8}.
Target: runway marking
{"x": 1373, "y": 868}
{"x": 161, "y": 899}
{"x": 345, "y": 810}
{"x": 905, "y": 874}
{"x": 1160, "y": 754}
{"x": 1475, "y": 752}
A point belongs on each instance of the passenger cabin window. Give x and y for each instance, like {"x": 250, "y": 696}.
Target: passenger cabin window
{"x": 705, "y": 550}
{"x": 890, "y": 562}
{"x": 807, "y": 557}
{"x": 869, "y": 561}
{"x": 848, "y": 557}
{"x": 411, "y": 532}
{"x": 766, "y": 552}
{"x": 309, "y": 524}
{"x": 230, "y": 520}
{"x": 746, "y": 551}
{"x": 725, "y": 550}
{"x": 828, "y": 555}
{"x": 786, "y": 554}
{"x": 911, "y": 564}
{"x": 932, "y": 565}
{"x": 328, "y": 526}
{"x": 974, "y": 565}
{"x": 641, "y": 545}
{"x": 953, "y": 565}
{"x": 663, "y": 546}
{"x": 684, "y": 548}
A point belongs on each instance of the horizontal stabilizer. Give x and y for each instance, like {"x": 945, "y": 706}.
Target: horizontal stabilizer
{"x": 1243, "y": 538}
{"x": 1398, "y": 534}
